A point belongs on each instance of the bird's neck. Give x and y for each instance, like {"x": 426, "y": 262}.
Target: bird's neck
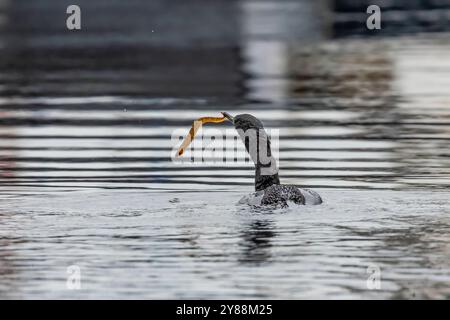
{"x": 263, "y": 181}
{"x": 257, "y": 144}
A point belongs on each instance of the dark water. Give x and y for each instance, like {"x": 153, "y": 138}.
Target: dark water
{"x": 87, "y": 179}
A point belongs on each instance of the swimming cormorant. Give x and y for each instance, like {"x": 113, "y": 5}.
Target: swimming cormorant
{"x": 268, "y": 190}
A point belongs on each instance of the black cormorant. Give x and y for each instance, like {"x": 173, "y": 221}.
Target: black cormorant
{"x": 268, "y": 190}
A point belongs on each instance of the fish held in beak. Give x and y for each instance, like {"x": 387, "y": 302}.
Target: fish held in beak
{"x": 197, "y": 125}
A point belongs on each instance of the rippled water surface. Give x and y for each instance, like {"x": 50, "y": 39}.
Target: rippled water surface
{"x": 201, "y": 245}
{"x": 87, "y": 176}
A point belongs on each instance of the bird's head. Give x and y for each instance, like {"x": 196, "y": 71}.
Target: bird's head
{"x": 244, "y": 122}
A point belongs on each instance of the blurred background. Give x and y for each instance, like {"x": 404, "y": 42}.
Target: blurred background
{"x": 95, "y": 108}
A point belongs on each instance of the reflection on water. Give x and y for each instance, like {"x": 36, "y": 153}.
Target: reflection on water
{"x": 256, "y": 241}
{"x": 84, "y": 115}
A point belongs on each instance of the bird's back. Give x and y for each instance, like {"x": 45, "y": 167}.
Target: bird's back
{"x": 281, "y": 195}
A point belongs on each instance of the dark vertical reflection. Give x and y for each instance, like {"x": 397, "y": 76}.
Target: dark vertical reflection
{"x": 256, "y": 241}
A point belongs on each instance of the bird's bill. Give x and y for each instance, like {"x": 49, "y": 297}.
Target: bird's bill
{"x": 228, "y": 116}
